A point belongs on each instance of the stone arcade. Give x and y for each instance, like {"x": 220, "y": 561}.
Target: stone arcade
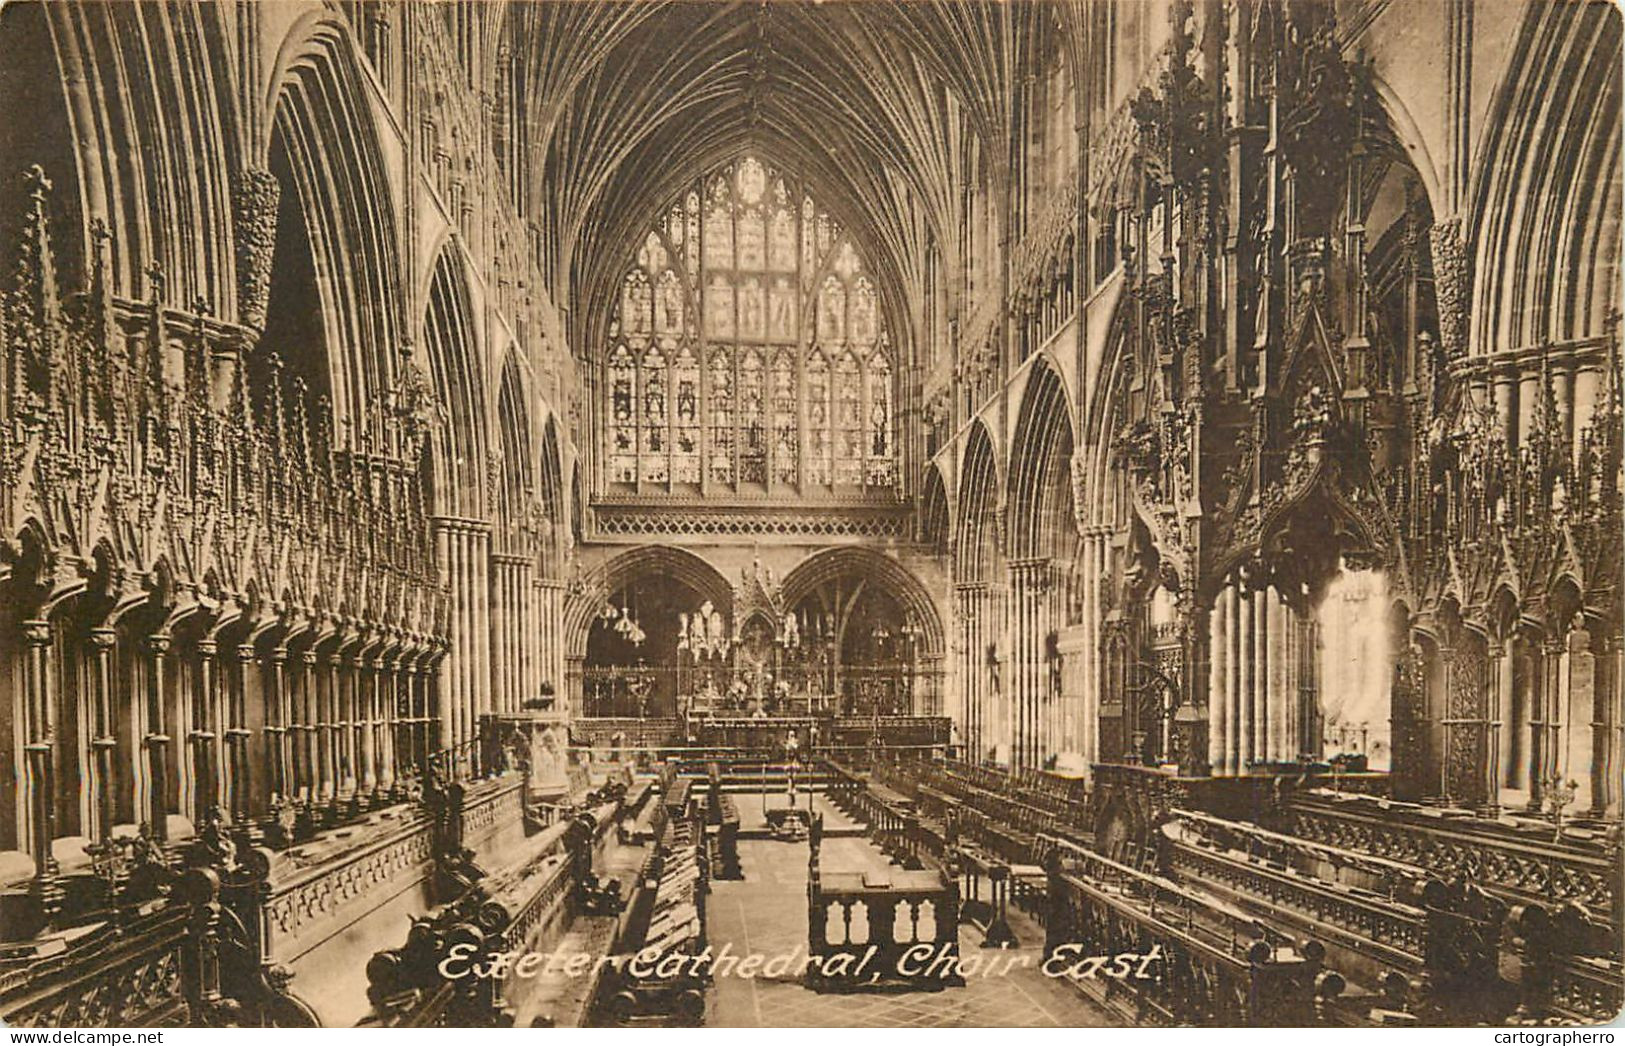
{"x": 1134, "y": 482}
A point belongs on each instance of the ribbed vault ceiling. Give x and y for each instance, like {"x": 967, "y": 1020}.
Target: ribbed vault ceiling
{"x": 878, "y": 104}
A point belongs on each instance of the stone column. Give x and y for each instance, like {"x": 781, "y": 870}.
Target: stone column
{"x": 1247, "y": 651}
{"x": 1587, "y": 395}
{"x": 156, "y": 741}
{"x": 448, "y": 549}
{"x": 103, "y": 743}
{"x": 1614, "y": 725}
{"x": 386, "y": 724}
{"x": 1261, "y": 672}
{"x": 39, "y": 741}
{"x": 366, "y": 721}
{"x": 1276, "y": 699}
{"x": 480, "y": 555}
{"x": 501, "y": 634}
{"x": 407, "y": 761}
{"x": 205, "y": 735}
{"x": 1545, "y": 740}
{"x": 1581, "y": 715}
{"x": 345, "y": 721}
{"x": 1528, "y": 404}
{"x": 240, "y": 778}
{"x": 1218, "y": 678}
{"x": 1506, "y": 724}
{"x": 1233, "y": 687}
{"x": 1503, "y": 388}
{"x": 327, "y": 728}
{"x": 1563, "y": 397}
{"x": 279, "y": 725}
{"x": 310, "y": 720}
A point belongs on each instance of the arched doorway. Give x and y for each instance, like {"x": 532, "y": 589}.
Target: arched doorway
{"x": 645, "y": 632}
{"x": 635, "y": 664}
{"x": 867, "y": 636}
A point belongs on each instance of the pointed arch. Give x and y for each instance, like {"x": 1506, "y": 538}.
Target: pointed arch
{"x": 855, "y": 561}
{"x": 550, "y": 493}
{"x": 978, "y": 546}
{"x": 1038, "y": 505}
{"x": 457, "y": 470}
{"x": 935, "y": 517}
{"x": 329, "y": 188}
{"x": 517, "y": 482}
{"x": 1547, "y": 192}
{"x": 648, "y": 560}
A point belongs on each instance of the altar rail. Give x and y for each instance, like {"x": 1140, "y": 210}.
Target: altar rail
{"x": 818, "y": 733}
{"x": 623, "y": 735}
{"x": 871, "y": 930}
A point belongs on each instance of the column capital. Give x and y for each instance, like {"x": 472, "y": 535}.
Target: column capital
{"x": 158, "y": 643}
{"x": 208, "y": 647}
{"x": 36, "y": 631}
{"x": 103, "y": 638}
{"x": 245, "y": 651}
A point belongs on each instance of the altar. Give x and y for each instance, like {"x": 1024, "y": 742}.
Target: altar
{"x": 836, "y": 651}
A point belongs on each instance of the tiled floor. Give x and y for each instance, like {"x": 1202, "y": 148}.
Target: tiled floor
{"x": 767, "y": 914}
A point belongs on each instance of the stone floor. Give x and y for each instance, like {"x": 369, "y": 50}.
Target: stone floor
{"x": 767, "y": 914}
{"x": 753, "y": 815}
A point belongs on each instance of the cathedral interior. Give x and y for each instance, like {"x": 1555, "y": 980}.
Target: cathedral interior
{"x": 997, "y": 481}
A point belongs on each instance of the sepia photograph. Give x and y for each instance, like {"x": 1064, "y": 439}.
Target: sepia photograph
{"x": 876, "y": 514}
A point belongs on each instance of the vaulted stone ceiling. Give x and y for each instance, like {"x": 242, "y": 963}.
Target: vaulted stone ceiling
{"x": 879, "y": 104}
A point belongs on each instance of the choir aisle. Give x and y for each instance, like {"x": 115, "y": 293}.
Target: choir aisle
{"x": 766, "y": 914}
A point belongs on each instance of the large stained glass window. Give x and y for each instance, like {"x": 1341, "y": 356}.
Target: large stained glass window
{"x": 685, "y": 449}
{"x": 752, "y": 435}
{"x": 880, "y": 470}
{"x": 848, "y": 420}
{"x": 720, "y": 378}
{"x": 819, "y": 443}
{"x": 748, "y": 352}
{"x": 652, "y": 462}
{"x": 786, "y": 442}
{"x": 623, "y": 433}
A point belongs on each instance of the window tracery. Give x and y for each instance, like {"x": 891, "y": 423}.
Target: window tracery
{"x": 753, "y": 440}
{"x": 653, "y": 459}
{"x": 848, "y": 420}
{"x": 785, "y": 435}
{"x": 749, "y": 352}
{"x": 623, "y": 453}
{"x": 722, "y": 417}
{"x": 819, "y": 443}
